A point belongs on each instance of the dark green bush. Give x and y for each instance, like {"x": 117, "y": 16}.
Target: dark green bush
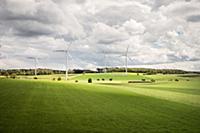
{"x": 153, "y": 80}
{"x": 110, "y": 79}
{"x": 176, "y": 80}
{"x": 103, "y": 79}
{"x": 98, "y": 79}
{"x": 35, "y": 78}
{"x": 143, "y": 80}
{"x": 89, "y": 80}
{"x": 59, "y": 79}
{"x": 76, "y": 81}
{"x": 54, "y": 79}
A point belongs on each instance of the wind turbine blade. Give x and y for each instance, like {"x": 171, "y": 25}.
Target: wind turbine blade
{"x": 69, "y": 46}
{"x": 130, "y": 59}
{"x": 60, "y": 50}
{"x": 30, "y": 57}
{"x": 37, "y": 60}
{"x": 70, "y": 56}
{"x": 120, "y": 56}
{"x": 110, "y": 52}
{"x": 127, "y": 49}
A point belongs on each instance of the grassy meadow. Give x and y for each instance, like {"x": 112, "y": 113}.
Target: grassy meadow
{"x": 171, "y": 104}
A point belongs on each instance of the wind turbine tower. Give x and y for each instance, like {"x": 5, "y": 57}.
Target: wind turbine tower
{"x": 35, "y": 62}
{"x": 105, "y": 65}
{"x": 66, "y": 52}
{"x": 126, "y": 60}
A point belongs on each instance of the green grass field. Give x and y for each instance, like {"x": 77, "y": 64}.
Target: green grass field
{"x": 45, "y": 106}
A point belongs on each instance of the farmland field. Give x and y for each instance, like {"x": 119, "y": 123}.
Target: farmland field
{"x": 169, "y": 105}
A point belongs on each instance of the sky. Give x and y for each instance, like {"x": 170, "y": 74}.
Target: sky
{"x": 159, "y": 33}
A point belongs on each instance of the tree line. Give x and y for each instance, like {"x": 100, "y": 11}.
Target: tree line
{"x": 42, "y": 71}
{"x": 147, "y": 71}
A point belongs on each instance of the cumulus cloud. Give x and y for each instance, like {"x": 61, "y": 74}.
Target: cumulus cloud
{"x": 133, "y": 27}
{"x": 157, "y": 32}
{"x": 107, "y": 34}
{"x": 36, "y": 18}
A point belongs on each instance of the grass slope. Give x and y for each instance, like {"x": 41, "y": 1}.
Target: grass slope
{"x": 42, "y": 106}
{"x": 115, "y": 77}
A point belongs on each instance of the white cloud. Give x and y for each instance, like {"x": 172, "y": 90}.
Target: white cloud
{"x": 107, "y": 34}
{"x": 133, "y": 27}
{"x": 158, "y": 31}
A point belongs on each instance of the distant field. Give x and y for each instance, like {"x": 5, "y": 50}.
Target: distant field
{"x": 116, "y": 77}
{"x": 43, "y": 105}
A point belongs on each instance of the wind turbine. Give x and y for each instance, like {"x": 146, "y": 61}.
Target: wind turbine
{"x": 104, "y": 59}
{"x": 121, "y": 54}
{"x": 126, "y": 55}
{"x": 126, "y": 59}
{"x": 66, "y": 52}
{"x": 35, "y": 61}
